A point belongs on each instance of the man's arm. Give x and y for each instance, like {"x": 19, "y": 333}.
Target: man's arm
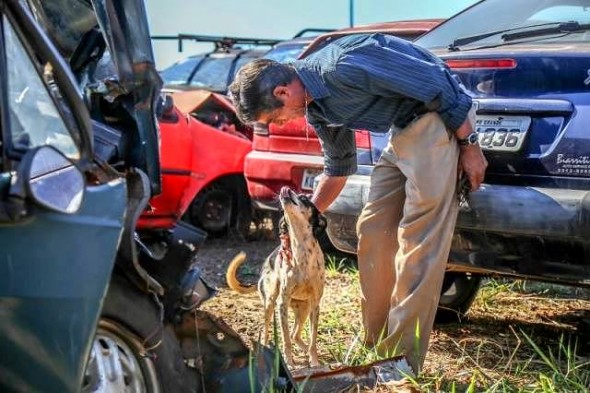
{"x": 327, "y": 190}
{"x": 339, "y": 147}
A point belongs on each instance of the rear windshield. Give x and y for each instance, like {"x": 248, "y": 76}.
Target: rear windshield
{"x": 285, "y": 53}
{"x": 213, "y": 73}
{"x": 510, "y": 14}
{"x": 179, "y": 72}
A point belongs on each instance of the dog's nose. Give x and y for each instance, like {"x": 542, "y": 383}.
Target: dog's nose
{"x": 285, "y": 192}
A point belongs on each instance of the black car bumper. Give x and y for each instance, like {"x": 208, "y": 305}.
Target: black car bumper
{"x": 539, "y": 233}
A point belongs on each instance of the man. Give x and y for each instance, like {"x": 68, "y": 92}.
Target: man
{"x": 382, "y": 83}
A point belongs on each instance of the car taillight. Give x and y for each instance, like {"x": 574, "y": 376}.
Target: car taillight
{"x": 260, "y": 129}
{"x": 363, "y": 147}
{"x": 482, "y": 64}
{"x": 363, "y": 139}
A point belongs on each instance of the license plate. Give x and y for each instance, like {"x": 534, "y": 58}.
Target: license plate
{"x": 308, "y": 178}
{"x": 502, "y": 133}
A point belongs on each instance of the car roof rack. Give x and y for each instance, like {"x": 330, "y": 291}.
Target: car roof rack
{"x": 313, "y": 31}
{"x": 221, "y": 42}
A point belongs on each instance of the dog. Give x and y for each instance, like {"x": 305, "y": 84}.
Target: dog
{"x": 293, "y": 275}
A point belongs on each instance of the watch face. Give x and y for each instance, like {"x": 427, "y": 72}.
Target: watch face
{"x": 472, "y": 138}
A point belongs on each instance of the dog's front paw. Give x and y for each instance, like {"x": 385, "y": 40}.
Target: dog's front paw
{"x": 314, "y": 361}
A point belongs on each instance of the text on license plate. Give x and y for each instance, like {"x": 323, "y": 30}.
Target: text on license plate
{"x": 308, "y": 178}
{"x": 502, "y": 133}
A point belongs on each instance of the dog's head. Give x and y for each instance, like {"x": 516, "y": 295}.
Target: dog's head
{"x": 300, "y": 211}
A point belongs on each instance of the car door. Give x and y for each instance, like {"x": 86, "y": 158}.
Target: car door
{"x": 54, "y": 266}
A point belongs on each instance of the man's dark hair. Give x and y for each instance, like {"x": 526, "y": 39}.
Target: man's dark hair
{"x": 252, "y": 88}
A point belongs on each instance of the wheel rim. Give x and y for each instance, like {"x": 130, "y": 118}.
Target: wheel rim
{"x": 214, "y": 212}
{"x": 115, "y": 363}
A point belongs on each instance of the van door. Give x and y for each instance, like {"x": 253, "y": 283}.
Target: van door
{"x": 54, "y": 266}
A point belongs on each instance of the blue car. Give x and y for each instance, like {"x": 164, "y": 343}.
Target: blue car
{"x": 528, "y": 71}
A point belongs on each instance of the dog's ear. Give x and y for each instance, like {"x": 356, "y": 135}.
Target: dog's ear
{"x": 320, "y": 225}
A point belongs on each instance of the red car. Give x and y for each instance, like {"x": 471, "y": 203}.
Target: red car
{"x": 291, "y": 155}
{"x": 202, "y": 159}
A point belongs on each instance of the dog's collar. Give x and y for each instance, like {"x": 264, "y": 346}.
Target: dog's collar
{"x": 285, "y": 251}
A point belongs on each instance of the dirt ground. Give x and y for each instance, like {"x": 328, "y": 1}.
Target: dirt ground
{"x": 491, "y": 344}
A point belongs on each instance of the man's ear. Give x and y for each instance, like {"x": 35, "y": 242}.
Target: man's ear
{"x": 281, "y": 92}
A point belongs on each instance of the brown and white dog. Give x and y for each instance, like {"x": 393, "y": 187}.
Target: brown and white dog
{"x": 293, "y": 275}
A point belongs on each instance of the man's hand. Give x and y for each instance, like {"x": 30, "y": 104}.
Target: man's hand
{"x": 471, "y": 159}
{"x": 473, "y": 164}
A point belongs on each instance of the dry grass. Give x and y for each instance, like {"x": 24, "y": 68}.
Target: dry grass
{"x": 518, "y": 337}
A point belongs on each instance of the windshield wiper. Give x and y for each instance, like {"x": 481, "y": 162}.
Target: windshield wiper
{"x": 564, "y": 27}
{"x": 456, "y": 44}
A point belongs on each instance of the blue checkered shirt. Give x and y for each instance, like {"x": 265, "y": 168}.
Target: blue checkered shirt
{"x": 374, "y": 82}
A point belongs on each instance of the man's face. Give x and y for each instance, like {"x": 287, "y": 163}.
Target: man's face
{"x": 294, "y": 103}
{"x": 282, "y": 116}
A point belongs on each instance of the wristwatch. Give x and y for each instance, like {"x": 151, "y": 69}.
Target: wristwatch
{"x": 471, "y": 139}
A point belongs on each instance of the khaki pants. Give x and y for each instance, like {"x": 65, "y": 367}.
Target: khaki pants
{"x": 405, "y": 232}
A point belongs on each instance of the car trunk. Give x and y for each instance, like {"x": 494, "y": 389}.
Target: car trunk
{"x": 298, "y": 137}
{"x": 295, "y": 136}
{"x": 525, "y": 110}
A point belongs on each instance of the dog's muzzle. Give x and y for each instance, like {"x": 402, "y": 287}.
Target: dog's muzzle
{"x": 287, "y": 195}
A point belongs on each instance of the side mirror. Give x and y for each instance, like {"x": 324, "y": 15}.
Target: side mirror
{"x": 164, "y": 105}
{"x": 168, "y": 105}
{"x": 50, "y": 180}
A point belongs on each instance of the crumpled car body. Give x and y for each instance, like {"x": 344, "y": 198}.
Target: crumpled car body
{"x": 189, "y": 132}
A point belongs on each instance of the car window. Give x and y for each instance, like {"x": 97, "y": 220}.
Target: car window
{"x": 212, "y": 74}
{"x": 34, "y": 117}
{"x": 240, "y": 62}
{"x": 285, "y": 53}
{"x": 507, "y": 14}
{"x": 66, "y": 21}
{"x": 179, "y": 72}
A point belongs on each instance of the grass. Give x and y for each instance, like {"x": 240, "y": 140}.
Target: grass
{"x": 519, "y": 336}
{"x": 515, "y": 362}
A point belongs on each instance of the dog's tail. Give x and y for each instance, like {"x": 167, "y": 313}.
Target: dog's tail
{"x": 232, "y": 279}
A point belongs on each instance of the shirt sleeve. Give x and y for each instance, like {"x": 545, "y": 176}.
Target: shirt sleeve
{"x": 387, "y": 71}
{"x": 339, "y": 148}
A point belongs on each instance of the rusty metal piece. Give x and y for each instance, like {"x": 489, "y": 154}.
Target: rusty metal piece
{"x": 329, "y": 380}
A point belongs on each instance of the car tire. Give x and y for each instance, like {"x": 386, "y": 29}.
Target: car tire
{"x": 212, "y": 209}
{"x": 243, "y": 215}
{"x": 130, "y": 326}
{"x": 116, "y": 362}
{"x": 457, "y": 294}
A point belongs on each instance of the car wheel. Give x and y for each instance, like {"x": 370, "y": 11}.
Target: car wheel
{"x": 457, "y": 293}
{"x": 243, "y": 217}
{"x": 212, "y": 209}
{"x": 117, "y": 363}
{"x": 134, "y": 349}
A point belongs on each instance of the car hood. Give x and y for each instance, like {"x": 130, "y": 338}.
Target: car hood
{"x": 111, "y": 57}
{"x": 192, "y": 101}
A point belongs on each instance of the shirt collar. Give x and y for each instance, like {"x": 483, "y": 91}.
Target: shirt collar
{"x": 311, "y": 77}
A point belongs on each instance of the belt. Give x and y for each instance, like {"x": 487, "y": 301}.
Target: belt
{"x": 419, "y": 111}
